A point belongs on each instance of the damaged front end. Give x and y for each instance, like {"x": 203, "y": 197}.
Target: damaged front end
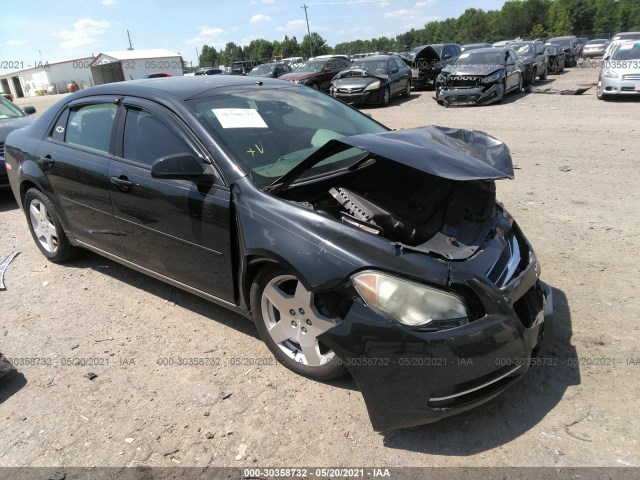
{"x": 469, "y": 89}
{"x": 425, "y": 66}
{"x": 358, "y": 85}
{"x": 439, "y": 300}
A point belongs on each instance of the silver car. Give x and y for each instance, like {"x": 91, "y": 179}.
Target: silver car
{"x": 620, "y": 71}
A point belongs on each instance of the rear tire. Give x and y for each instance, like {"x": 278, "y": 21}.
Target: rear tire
{"x": 289, "y": 324}
{"x": 45, "y": 227}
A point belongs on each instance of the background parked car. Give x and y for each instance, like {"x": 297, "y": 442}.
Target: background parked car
{"x": 595, "y": 48}
{"x": 427, "y": 61}
{"x": 243, "y": 67}
{"x": 534, "y": 59}
{"x": 271, "y": 70}
{"x": 158, "y": 75}
{"x": 209, "y": 71}
{"x": 373, "y": 79}
{"x": 293, "y": 62}
{"x": 555, "y": 57}
{"x": 480, "y": 76}
{"x": 12, "y": 117}
{"x": 317, "y": 73}
{"x": 626, "y": 36}
{"x": 571, "y": 48}
{"x": 620, "y": 72}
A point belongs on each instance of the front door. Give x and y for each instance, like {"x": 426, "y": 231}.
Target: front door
{"x": 177, "y": 228}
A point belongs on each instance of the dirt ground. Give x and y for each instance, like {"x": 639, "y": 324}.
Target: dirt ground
{"x": 575, "y": 196}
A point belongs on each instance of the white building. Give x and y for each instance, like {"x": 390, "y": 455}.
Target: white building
{"x": 120, "y": 65}
{"x": 47, "y": 78}
{"x": 107, "y": 67}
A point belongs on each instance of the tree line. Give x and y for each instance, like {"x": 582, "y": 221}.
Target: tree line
{"x": 517, "y": 18}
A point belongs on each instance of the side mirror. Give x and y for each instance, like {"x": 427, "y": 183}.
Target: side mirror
{"x": 29, "y": 110}
{"x": 447, "y": 56}
{"x": 393, "y": 70}
{"x": 178, "y": 166}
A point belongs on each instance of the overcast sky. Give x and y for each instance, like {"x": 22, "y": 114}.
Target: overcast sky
{"x": 39, "y": 30}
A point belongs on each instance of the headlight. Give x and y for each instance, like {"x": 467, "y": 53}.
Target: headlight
{"x": 410, "y": 303}
{"x": 610, "y": 74}
{"x": 373, "y": 86}
{"x": 491, "y": 78}
{"x": 301, "y": 82}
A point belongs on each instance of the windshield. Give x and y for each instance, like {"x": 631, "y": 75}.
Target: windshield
{"x": 9, "y": 110}
{"x": 598, "y": 42}
{"x": 310, "y": 67}
{"x": 262, "y": 70}
{"x": 565, "y": 42}
{"x": 522, "y": 50}
{"x": 627, "y": 52}
{"x": 370, "y": 65}
{"x": 271, "y": 130}
{"x": 480, "y": 58}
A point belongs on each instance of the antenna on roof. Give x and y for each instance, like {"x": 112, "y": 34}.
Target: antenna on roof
{"x": 129, "y": 37}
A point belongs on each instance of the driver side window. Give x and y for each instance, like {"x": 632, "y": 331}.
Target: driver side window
{"x": 147, "y": 137}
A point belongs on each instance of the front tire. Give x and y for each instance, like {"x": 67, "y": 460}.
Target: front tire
{"x": 543, "y": 76}
{"x": 386, "y": 96}
{"x": 600, "y": 94}
{"x": 407, "y": 90}
{"x": 45, "y": 227}
{"x": 289, "y": 323}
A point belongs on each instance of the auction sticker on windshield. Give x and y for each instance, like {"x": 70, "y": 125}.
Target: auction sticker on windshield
{"x": 239, "y": 118}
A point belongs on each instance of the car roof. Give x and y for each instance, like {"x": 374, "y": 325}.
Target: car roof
{"x": 181, "y": 88}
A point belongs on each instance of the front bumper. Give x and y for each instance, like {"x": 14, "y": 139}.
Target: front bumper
{"x": 618, "y": 86}
{"x": 374, "y": 96}
{"x": 468, "y": 95}
{"x": 410, "y": 378}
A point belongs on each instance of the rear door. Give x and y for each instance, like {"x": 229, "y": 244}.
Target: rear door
{"x": 177, "y": 228}
{"x": 75, "y": 157}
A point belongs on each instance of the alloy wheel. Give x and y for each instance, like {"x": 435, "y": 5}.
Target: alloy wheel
{"x": 43, "y": 226}
{"x": 294, "y": 323}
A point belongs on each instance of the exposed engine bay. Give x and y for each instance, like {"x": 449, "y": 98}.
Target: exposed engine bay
{"x": 427, "y": 213}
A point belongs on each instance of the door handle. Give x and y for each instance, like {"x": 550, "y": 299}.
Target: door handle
{"x": 122, "y": 182}
{"x": 47, "y": 160}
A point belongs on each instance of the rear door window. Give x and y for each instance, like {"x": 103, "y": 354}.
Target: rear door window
{"x": 90, "y": 126}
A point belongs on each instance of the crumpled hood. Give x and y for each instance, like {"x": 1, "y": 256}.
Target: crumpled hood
{"x": 471, "y": 70}
{"x": 427, "y": 53}
{"x": 450, "y": 153}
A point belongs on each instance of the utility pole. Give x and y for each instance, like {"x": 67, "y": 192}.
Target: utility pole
{"x": 197, "y": 56}
{"x": 304, "y": 7}
{"x": 129, "y": 37}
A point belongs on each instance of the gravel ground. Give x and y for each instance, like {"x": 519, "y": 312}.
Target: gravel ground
{"x": 575, "y": 196}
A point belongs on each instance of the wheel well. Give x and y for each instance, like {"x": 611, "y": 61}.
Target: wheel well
{"x": 253, "y": 266}
{"x": 24, "y": 187}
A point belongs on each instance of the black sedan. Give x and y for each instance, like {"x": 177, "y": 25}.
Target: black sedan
{"x": 533, "y": 57}
{"x": 271, "y": 70}
{"x": 11, "y": 118}
{"x": 479, "y": 77}
{"x": 347, "y": 248}
{"x": 373, "y": 79}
